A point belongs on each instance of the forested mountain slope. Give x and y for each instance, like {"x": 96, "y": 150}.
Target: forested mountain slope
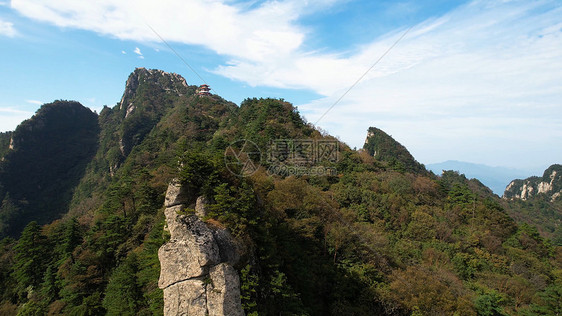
{"x": 378, "y": 237}
{"x": 44, "y": 162}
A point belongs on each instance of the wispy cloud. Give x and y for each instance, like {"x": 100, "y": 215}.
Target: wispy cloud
{"x": 481, "y": 83}
{"x": 7, "y": 29}
{"x": 123, "y": 52}
{"x": 138, "y": 52}
{"x": 12, "y": 111}
{"x": 228, "y": 28}
{"x": 36, "y": 102}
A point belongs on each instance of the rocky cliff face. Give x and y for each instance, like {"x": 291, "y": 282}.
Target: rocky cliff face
{"x": 197, "y": 273}
{"x": 550, "y": 184}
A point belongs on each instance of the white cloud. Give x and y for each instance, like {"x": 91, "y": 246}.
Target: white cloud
{"x": 123, "y": 52}
{"x": 235, "y": 30}
{"x": 7, "y": 29}
{"x": 480, "y": 84}
{"x": 12, "y": 111}
{"x": 138, "y": 52}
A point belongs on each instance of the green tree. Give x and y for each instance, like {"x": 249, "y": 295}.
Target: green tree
{"x": 31, "y": 308}
{"x": 489, "y": 304}
{"x": 67, "y": 239}
{"x": 249, "y": 284}
{"x": 29, "y": 259}
{"x": 123, "y": 295}
{"x": 49, "y": 288}
{"x": 197, "y": 171}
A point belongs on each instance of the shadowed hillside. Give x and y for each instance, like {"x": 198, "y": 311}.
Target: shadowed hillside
{"x": 48, "y": 155}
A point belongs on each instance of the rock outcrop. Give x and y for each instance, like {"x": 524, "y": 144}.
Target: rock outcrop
{"x": 197, "y": 273}
{"x": 549, "y": 185}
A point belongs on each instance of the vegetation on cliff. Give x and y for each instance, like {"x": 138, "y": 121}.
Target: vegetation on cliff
{"x": 537, "y": 201}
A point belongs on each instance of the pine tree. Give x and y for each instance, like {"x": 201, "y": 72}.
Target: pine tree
{"x": 29, "y": 260}
{"x": 123, "y": 295}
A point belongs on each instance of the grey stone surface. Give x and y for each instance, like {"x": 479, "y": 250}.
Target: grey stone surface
{"x": 178, "y": 263}
{"x": 229, "y": 250}
{"x": 186, "y": 298}
{"x": 201, "y": 207}
{"x": 223, "y": 293}
{"x": 196, "y": 265}
{"x": 176, "y": 194}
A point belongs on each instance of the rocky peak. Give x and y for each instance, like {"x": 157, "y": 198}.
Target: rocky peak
{"x": 149, "y": 94}
{"x": 168, "y": 82}
{"x": 197, "y": 273}
{"x": 549, "y": 185}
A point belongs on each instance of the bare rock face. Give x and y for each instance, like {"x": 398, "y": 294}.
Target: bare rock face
{"x": 141, "y": 116}
{"x": 178, "y": 264}
{"x": 197, "y": 273}
{"x": 176, "y": 194}
{"x": 223, "y": 293}
{"x": 186, "y": 298}
{"x": 169, "y": 82}
{"x": 200, "y": 207}
{"x": 549, "y": 185}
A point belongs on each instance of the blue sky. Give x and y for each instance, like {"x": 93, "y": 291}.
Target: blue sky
{"x": 477, "y": 81}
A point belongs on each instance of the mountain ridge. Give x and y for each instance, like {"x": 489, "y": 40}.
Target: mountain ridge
{"x": 383, "y": 147}
{"x": 496, "y": 178}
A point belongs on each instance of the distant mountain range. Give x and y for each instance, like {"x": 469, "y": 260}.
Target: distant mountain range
{"x": 496, "y": 178}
